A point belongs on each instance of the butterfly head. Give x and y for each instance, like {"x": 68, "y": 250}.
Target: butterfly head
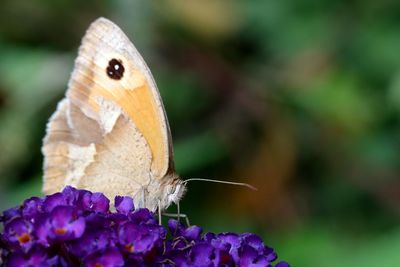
{"x": 173, "y": 191}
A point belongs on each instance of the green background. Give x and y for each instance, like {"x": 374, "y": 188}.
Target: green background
{"x": 298, "y": 98}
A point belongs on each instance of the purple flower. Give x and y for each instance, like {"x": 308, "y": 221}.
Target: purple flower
{"x": 93, "y": 240}
{"x": 229, "y": 241}
{"x": 64, "y": 224}
{"x": 96, "y": 202}
{"x": 18, "y": 232}
{"x": 76, "y": 228}
{"x": 282, "y": 264}
{"x": 124, "y": 205}
{"x": 10, "y": 214}
{"x": 31, "y": 208}
{"x": 201, "y": 254}
{"x": 248, "y": 256}
{"x": 136, "y": 238}
{"x": 55, "y": 200}
{"x": 37, "y": 256}
{"x": 190, "y": 233}
{"x": 111, "y": 257}
{"x": 143, "y": 216}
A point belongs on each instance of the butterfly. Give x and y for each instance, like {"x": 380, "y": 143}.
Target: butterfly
{"x": 110, "y": 133}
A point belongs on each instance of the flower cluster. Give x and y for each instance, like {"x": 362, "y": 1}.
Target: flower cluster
{"x": 77, "y": 228}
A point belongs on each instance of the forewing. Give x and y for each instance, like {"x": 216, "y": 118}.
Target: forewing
{"x": 108, "y": 135}
{"x": 135, "y": 93}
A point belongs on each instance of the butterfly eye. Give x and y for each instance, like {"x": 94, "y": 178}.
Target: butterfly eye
{"x": 115, "y": 69}
{"x": 169, "y": 191}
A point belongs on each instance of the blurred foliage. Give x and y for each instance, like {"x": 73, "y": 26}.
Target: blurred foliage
{"x": 299, "y": 98}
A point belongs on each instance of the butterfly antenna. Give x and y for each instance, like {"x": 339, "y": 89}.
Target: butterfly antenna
{"x": 220, "y": 181}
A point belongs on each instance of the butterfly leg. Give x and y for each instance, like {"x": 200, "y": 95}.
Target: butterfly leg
{"x": 175, "y": 215}
{"x": 159, "y": 212}
{"x": 143, "y": 198}
{"x": 178, "y": 215}
{"x": 140, "y": 199}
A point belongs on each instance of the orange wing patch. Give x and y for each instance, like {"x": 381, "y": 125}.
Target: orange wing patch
{"x": 138, "y": 102}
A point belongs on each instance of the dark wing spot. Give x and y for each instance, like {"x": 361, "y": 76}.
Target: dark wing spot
{"x": 115, "y": 69}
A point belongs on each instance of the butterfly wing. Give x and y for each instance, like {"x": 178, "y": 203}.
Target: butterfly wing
{"x": 111, "y": 130}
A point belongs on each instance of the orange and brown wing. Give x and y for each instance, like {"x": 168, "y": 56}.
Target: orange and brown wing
{"x": 99, "y": 105}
